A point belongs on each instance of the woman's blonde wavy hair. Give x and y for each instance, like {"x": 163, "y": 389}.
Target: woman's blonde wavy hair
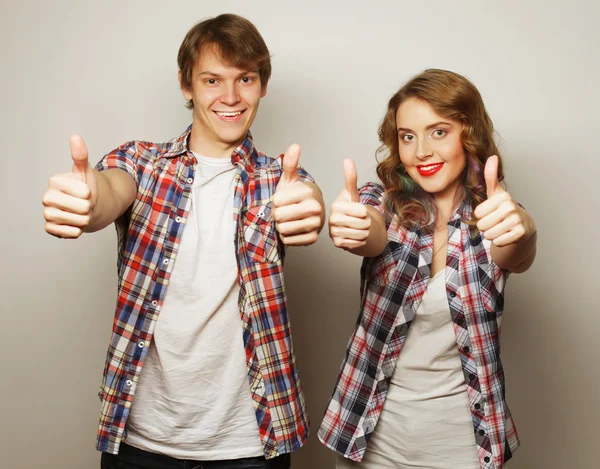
{"x": 453, "y": 97}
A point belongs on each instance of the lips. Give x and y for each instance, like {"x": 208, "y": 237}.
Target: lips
{"x": 229, "y": 116}
{"x": 429, "y": 169}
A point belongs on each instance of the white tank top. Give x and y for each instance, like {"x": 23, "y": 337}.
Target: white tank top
{"x": 193, "y": 397}
{"x": 425, "y": 422}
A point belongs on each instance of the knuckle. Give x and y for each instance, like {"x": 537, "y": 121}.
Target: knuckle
{"x": 87, "y": 207}
{"x": 48, "y": 213}
{"x": 87, "y": 192}
{"x": 54, "y": 180}
{"x": 47, "y": 198}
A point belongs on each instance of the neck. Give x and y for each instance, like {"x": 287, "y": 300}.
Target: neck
{"x": 211, "y": 149}
{"x": 446, "y": 204}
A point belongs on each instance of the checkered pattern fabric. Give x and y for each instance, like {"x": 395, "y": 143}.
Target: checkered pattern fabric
{"x": 149, "y": 234}
{"x": 392, "y": 285}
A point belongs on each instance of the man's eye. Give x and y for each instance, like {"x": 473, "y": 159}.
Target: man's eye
{"x": 211, "y": 81}
{"x": 247, "y": 79}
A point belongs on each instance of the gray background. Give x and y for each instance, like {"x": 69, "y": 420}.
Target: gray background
{"x": 107, "y": 70}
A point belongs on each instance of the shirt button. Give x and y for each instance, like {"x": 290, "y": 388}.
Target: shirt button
{"x": 178, "y": 219}
{"x": 129, "y": 382}
{"x": 466, "y": 349}
{"x": 471, "y": 376}
{"x": 486, "y": 459}
{"x": 190, "y": 180}
{"x": 141, "y": 345}
{"x": 154, "y": 303}
{"x": 452, "y": 294}
{"x": 482, "y": 432}
{"x": 478, "y": 406}
{"x": 165, "y": 261}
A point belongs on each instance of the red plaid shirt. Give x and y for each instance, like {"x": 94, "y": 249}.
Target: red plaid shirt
{"x": 392, "y": 285}
{"x": 149, "y": 234}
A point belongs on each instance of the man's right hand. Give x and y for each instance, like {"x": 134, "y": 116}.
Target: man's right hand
{"x": 71, "y": 197}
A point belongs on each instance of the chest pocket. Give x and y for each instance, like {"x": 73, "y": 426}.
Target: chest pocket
{"x": 260, "y": 236}
{"x": 492, "y": 295}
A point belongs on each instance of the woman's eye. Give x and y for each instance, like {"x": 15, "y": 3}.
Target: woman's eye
{"x": 439, "y": 133}
{"x": 408, "y": 138}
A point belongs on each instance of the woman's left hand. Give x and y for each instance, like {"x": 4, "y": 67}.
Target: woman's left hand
{"x": 501, "y": 219}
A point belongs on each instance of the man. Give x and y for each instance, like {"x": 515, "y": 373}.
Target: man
{"x": 202, "y": 221}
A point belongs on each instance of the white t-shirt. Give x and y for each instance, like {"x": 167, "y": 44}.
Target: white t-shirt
{"x": 193, "y": 398}
{"x": 425, "y": 422}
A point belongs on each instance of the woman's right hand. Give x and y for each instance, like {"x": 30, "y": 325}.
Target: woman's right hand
{"x": 349, "y": 220}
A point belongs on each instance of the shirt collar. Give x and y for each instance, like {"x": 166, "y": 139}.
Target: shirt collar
{"x": 243, "y": 154}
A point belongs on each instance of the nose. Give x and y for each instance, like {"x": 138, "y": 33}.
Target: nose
{"x": 424, "y": 150}
{"x": 230, "y": 94}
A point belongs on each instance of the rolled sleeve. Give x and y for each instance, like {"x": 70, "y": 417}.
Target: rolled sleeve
{"x": 372, "y": 194}
{"x": 305, "y": 176}
{"x": 124, "y": 158}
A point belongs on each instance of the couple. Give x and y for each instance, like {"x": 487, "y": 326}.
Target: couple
{"x": 203, "y": 221}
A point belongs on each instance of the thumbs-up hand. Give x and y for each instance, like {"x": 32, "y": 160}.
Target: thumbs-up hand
{"x": 349, "y": 220}
{"x": 501, "y": 220}
{"x": 297, "y": 212}
{"x": 70, "y": 198}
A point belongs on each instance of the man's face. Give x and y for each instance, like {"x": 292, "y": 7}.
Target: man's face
{"x": 225, "y": 100}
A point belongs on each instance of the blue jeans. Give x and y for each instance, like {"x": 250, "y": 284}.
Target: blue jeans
{"x": 134, "y": 458}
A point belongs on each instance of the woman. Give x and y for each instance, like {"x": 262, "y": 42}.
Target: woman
{"x": 422, "y": 384}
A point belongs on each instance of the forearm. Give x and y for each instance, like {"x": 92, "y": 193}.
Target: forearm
{"x": 377, "y": 239}
{"x": 116, "y": 192}
{"x": 517, "y": 257}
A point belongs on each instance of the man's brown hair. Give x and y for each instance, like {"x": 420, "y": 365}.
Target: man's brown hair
{"x": 235, "y": 40}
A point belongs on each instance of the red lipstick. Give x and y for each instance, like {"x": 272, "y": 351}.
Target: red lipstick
{"x": 429, "y": 169}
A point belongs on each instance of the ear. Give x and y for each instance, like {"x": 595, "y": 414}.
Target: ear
{"x": 186, "y": 93}
{"x": 264, "y": 90}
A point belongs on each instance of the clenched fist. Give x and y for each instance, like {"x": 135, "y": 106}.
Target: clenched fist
{"x": 70, "y": 198}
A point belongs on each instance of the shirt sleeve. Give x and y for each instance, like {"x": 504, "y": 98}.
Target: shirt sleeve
{"x": 125, "y": 158}
{"x": 305, "y": 176}
{"x": 371, "y": 194}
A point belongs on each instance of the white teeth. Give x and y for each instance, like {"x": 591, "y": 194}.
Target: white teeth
{"x": 229, "y": 114}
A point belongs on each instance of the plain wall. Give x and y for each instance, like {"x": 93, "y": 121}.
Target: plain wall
{"x": 107, "y": 70}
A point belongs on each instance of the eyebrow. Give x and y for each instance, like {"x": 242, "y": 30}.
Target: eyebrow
{"x": 430, "y": 126}
{"x": 208, "y": 73}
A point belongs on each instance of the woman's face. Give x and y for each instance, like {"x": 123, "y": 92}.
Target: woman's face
{"x": 431, "y": 149}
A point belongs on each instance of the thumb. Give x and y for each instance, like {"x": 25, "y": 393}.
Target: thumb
{"x": 290, "y": 164}
{"x": 491, "y": 176}
{"x": 350, "y": 180}
{"x": 79, "y": 154}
